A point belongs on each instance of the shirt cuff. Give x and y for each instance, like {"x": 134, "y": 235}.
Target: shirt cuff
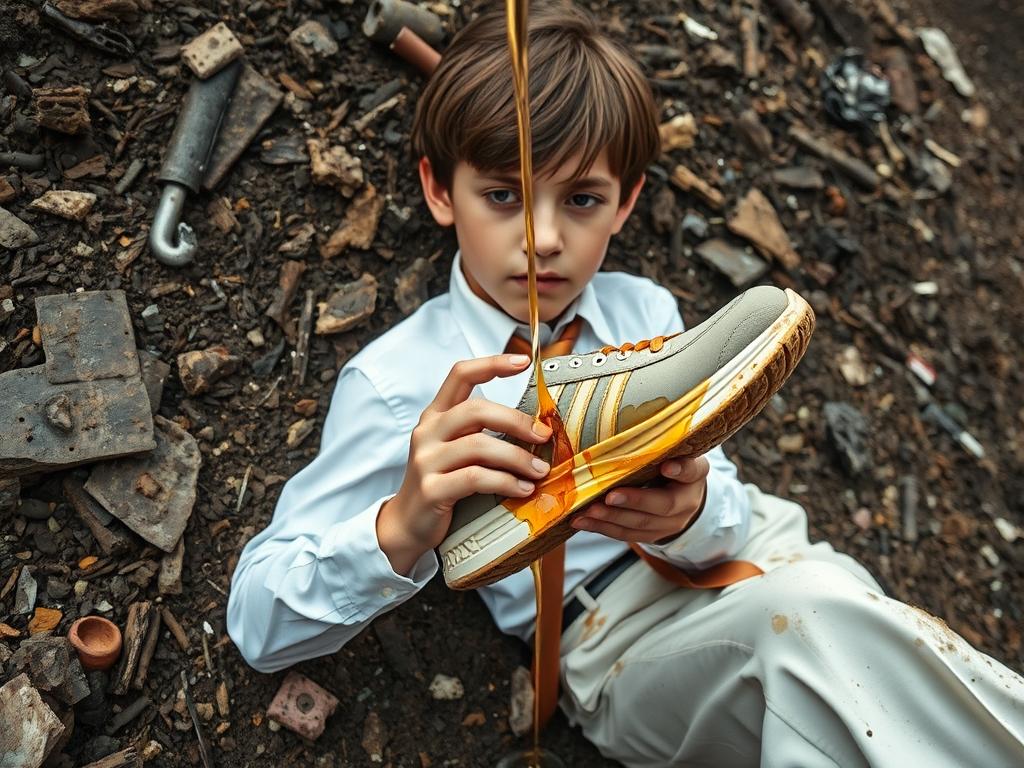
{"x": 352, "y": 548}
{"x": 701, "y": 545}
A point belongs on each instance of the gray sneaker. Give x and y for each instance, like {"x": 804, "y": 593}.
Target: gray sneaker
{"x": 625, "y": 409}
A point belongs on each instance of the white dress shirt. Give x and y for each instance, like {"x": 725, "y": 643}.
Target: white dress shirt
{"x": 316, "y": 576}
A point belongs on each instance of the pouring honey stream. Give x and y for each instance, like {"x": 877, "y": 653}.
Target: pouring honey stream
{"x": 563, "y": 490}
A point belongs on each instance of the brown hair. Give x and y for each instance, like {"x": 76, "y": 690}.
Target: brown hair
{"x": 586, "y": 93}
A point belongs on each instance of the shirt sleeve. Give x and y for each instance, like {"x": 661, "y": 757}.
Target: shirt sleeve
{"x": 316, "y": 576}
{"x": 722, "y": 527}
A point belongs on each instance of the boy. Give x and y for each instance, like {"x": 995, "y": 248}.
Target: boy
{"x": 809, "y": 664}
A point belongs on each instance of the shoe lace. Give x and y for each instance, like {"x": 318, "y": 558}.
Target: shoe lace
{"x": 654, "y": 345}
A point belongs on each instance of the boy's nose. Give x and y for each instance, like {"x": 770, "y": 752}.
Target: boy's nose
{"x": 547, "y": 234}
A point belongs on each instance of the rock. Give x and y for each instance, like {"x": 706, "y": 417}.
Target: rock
{"x": 445, "y": 688}
{"x": 65, "y": 203}
{"x": 398, "y": 649}
{"x": 847, "y": 430}
{"x": 520, "y": 710}
{"x": 694, "y": 224}
{"x": 152, "y": 320}
{"x": 34, "y": 509}
{"x": 210, "y": 52}
{"x": 798, "y": 177}
{"x": 752, "y": 131}
{"x": 29, "y": 729}
{"x": 678, "y": 133}
{"x": 53, "y": 666}
{"x": 347, "y": 306}
{"x": 201, "y": 368}
{"x": 853, "y": 368}
{"x": 374, "y": 737}
{"x": 152, "y": 494}
{"x": 360, "y": 225}
{"x": 15, "y": 233}
{"x": 663, "y": 211}
{"x": 411, "y": 285}
{"x": 25, "y": 595}
{"x": 741, "y": 267}
{"x": 154, "y": 373}
{"x": 62, "y": 109}
{"x": 87, "y": 336}
{"x": 790, "y": 443}
{"x": 310, "y": 42}
{"x": 333, "y": 166}
{"x": 7, "y": 192}
{"x": 298, "y": 432}
{"x": 756, "y": 220}
{"x": 302, "y": 706}
{"x": 58, "y": 413}
{"x": 10, "y": 491}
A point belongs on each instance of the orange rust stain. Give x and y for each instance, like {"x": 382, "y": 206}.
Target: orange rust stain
{"x": 779, "y": 624}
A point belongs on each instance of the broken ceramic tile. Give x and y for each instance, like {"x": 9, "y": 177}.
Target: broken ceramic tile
{"x": 152, "y": 494}
{"x": 302, "y": 706}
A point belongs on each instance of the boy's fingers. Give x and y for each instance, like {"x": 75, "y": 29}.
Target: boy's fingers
{"x": 489, "y": 451}
{"x": 460, "y": 483}
{"x": 686, "y": 470}
{"x": 467, "y": 374}
{"x": 476, "y": 414}
{"x": 620, "y": 532}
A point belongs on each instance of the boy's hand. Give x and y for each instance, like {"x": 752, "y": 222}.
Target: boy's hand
{"x": 651, "y": 514}
{"x": 450, "y": 457}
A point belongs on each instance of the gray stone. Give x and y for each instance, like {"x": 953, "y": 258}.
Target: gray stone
{"x": 53, "y": 666}
{"x": 15, "y": 233}
{"x": 29, "y": 729}
{"x": 310, "y": 42}
{"x": 738, "y": 264}
{"x": 847, "y": 430}
{"x": 34, "y": 509}
{"x": 25, "y": 594}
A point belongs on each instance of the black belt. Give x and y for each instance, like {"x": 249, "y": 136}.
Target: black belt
{"x": 597, "y": 585}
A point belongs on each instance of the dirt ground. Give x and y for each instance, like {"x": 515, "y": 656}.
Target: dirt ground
{"x": 858, "y": 249}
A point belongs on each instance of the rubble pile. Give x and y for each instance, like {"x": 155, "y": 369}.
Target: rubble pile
{"x": 206, "y": 209}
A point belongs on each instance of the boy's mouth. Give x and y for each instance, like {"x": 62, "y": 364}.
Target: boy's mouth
{"x": 547, "y": 282}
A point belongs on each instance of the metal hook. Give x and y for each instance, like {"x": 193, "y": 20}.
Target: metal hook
{"x": 171, "y": 240}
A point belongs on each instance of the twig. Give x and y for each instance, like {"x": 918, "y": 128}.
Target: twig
{"x": 204, "y": 749}
{"x": 175, "y": 627}
{"x": 302, "y": 347}
{"x": 858, "y": 170}
{"x": 152, "y": 635}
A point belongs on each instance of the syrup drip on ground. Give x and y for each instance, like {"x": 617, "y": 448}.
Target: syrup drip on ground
{"x": 561, "y": 448}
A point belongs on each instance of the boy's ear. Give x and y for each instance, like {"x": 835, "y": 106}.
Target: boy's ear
{"x": 438, "y": 199}
{"x": 627, "y": 205}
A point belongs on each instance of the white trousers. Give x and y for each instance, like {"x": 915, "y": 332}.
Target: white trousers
{"x": 809, "y": 665}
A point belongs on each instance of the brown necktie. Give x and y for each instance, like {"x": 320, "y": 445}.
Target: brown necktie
{"x": 551, "y": 585}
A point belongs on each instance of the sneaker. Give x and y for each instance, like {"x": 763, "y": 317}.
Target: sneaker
{"x": 625, "y": 409}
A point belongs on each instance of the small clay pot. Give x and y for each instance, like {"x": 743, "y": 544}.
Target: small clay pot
{"x": 97, "y": 641}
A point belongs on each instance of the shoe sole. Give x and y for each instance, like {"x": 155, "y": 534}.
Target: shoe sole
{"x": 499, "y": 543}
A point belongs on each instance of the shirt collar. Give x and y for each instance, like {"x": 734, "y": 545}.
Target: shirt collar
{"x": 487, "y": 329}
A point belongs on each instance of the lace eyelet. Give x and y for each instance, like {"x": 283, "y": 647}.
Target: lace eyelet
{"x": 576, "y": 362}
{"x": 598, "y": 360}
{"x": 620, "y": 355}
{"x": 551, "y": 365}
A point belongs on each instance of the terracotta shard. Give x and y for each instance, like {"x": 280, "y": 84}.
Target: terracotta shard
{"x": 152, "y": 494}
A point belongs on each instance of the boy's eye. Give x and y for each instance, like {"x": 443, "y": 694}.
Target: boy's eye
{"x": 583, "y": 200}
{"x": 502, "y": 196}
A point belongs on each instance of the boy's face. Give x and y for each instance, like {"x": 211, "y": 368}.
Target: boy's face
{"x": 572, "y": 226}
